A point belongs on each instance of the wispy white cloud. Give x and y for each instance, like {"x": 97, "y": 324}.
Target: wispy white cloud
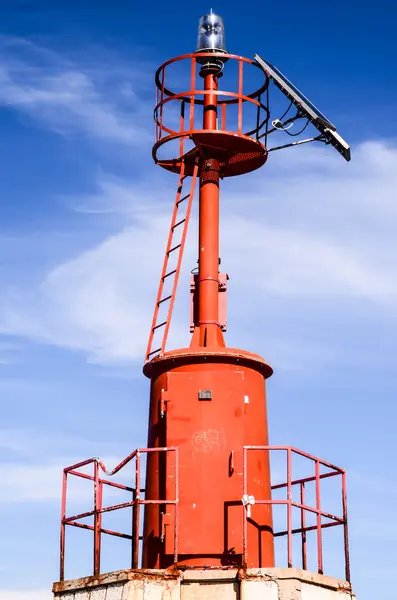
{"x": 32, "y": 462}
{"x": 72, "y": 96}
{"x": 23, "y": 482}
{"x": 107, "y": 300}
{"x": 36, "y": 443}
{"x": 101, "y": 302}
{"x": 307, "y": 227}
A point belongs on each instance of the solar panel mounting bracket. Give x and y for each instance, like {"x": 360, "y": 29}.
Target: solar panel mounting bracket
{"x": 305, "y": 109}
{"x": 319, "y": 138}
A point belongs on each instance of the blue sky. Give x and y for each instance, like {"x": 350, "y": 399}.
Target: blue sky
{"x": 308, "y": 241}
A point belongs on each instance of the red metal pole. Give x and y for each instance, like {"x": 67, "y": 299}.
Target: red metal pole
{"x": 176, "y": 507}
{"x": 99, "y": 520}
{"x": 245, "y": 523}
{"x": 97, "y": 524}
{"x": 303, "y": 526}
{"x": 137, "y": 509}
{"x": 345, "y": 527}
{"x": 62, "y": 537}
{"x": 208, "y": 278}
{"x": 289, "y": 505}
{"x": 319, "y": 531}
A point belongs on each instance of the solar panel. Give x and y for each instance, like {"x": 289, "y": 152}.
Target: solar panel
{"x": 320, "y": 121}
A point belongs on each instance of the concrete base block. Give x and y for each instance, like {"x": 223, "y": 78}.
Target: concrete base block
{"x": 121, "y": 585}
{"x": 311, "y": 592}
{"x": 251, "y": 590}
{"x": 211, "y": 584}
{"x": 201, "y": 591}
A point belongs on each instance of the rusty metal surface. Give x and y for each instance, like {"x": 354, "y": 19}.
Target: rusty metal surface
{"x": 121, "y": 576}
{"x": 209, "y": 517}
{"x": 134, "y": 504}
{"x": 317, "y": 510}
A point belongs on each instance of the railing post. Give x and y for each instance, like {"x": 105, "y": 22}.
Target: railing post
{"x": 289, "y": 505}
{"x": 240, "y": 100}
{"x": 156, "y": 115}
{"x": 176, "y": 513}
{"x": 62, "y": 533}
{"x": 136, "y": 511}
{"x": 97, "y": 519}
{"x": 192, "y": 93}
{"x": 319, "y": 531}
{"x": 303, "y": 526}
{"x": 224, "y": 106}
{"x": 345, "y": 528}
{"x": 245, "y": 492}
{"x": 182, "y": 127}
{"x": 162, "y": 102}
{"x": 133, "y": 529}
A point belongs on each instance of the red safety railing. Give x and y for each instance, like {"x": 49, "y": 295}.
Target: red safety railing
{"x": 323, "y": 519}
{"x": 135, "y": 503}
{"x": 186, "y": 101}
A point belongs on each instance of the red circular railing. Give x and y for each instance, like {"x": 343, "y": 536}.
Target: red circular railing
{"x": 239, "y": 146}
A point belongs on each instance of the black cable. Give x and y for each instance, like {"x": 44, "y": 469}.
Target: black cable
{"x": 265, "y": 135}
{"x": 288, "y": 109}
{"x": 268, "y": 112}
{"x": 299, "y": 132}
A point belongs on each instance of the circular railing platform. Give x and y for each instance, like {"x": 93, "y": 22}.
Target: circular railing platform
{"x": 235, "y": 144}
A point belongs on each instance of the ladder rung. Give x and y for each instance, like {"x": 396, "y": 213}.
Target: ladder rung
{"x": 174, "y": 271}
{"x": 177, "y": 224}
{"x": 174, "y": 248}
{"x": 164, "y": 299}
{"x": 184, "y": 198}
{"x": 169, "y": 274}
{"x": 153, "y": 352}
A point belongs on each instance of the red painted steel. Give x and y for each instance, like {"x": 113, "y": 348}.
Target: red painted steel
{"x": 134, "y": 504}
{"x": 208, "y": 431}
{"x": 233, "y": 473}
{"x": 208, "y": 495}
{"x": 171, "y": 274}
{"x": 303, "y": 526}
{"x": 210, "y": 332}
{"x": 222, "y": 297}
{"x": 320, "y": 514}
{"x": 238, "y": 151}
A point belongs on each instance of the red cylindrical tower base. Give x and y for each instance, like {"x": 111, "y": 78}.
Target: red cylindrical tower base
{"x": 209, "y": 404}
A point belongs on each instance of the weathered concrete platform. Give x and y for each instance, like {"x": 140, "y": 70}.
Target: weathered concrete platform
{"x": 217, "y": 584}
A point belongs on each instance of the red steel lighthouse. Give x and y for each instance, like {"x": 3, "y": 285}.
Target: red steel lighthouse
{"x": 208, "y": 501}
{"x": 208, "y": 400}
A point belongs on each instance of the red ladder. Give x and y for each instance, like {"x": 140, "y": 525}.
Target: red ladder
{"x": 169, "y": 278}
